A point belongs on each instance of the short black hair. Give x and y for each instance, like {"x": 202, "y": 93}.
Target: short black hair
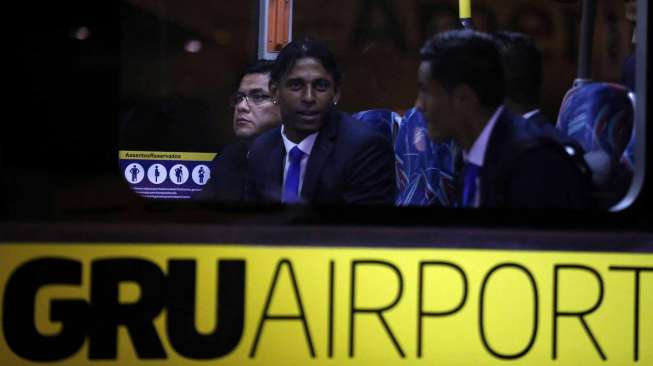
{"x": 305, "y": 48}
{"x": 522, "y": 65}
{"x": 467, "y": 57}
{"x": 257, "y": 67}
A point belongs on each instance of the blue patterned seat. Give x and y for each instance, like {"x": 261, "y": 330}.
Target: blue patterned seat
{"x": 599, "y": 116}
{"x": 426, "y": 173}
{"x": 384, "y": 121}
{"x": 628, "y": 158}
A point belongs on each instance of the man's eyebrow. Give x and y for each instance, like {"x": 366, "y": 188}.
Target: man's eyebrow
{"x": 255, "y": 90}
{"x": 295, "y": 79}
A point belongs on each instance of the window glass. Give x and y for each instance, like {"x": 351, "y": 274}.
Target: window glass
{"x": 168, "y": 78}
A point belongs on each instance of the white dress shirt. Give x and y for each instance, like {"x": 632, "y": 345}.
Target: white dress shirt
{"x": 306, "y": 146}
{"x": 476, "y": 154}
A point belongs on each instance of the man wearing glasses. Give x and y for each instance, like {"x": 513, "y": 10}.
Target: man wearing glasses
{"x": 254, "y": 113}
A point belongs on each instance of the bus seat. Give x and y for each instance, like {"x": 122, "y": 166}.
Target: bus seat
{"x": 384, "y": 121}
{"x": 600, "y": 116}
{"x": 628, "y": 158}
{"x": 426, "y": 171}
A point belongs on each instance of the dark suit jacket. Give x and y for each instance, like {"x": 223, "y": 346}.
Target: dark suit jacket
{"x": 229, "y": 175}
{"x": 529, "y": 166}
{"x": 541, "y": 119}
{"x": 349, "y": 163}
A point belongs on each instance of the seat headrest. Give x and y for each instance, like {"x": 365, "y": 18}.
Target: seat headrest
{"x": 383, "y": 121}
{"x": 599, "y": 116}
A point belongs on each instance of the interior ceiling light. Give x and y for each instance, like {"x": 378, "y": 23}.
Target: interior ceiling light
{"x": 193, "y": 46}
{"x": 81, "y": 33}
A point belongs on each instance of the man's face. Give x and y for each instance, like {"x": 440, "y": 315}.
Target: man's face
{"x": 436, "y": 103}
{"x": 305, "y": 96}
{"x": 256, "y": 113}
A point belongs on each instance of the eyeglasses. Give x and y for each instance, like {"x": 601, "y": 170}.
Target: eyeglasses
{"x": 252, "y": 98}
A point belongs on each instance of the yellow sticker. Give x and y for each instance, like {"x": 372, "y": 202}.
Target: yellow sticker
{"x": 165, "y": 155}
{"x": 255, "y": 305}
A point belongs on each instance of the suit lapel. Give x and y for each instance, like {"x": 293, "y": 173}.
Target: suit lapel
{"x": 274, "y": 171}
{"x": 319, "y": 155}
{"x": 498, "y": 138}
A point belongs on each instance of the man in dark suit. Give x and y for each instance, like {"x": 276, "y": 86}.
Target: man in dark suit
{"x": 319, "y": 155}
{"x": 508, "y": 161}
{"x": 254, "y": 113}
{"x": 522, "y": 62}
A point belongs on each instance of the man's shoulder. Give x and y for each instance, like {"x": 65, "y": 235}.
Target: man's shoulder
{"x": 235, "y": 148}
{"x": 532, "y": 144}
{"x": 541, "y": 119}
{"x": 516, "y": 131}
{"x": 357, "y": 132}
{"x": 535, "y": 168}
{"x": 233, "y": 154}
{"x": 266, "y": 140}
{"x": 516, "y": 140}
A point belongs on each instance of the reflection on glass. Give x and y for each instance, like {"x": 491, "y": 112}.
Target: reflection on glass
{"x": 184, "y": 94}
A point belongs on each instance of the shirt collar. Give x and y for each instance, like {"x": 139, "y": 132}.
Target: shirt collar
{"x": 476, "y": 154}
{"x": 306, "y": 145}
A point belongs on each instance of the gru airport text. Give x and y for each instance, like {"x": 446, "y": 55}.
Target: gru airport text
{"x": 141, "y": 304}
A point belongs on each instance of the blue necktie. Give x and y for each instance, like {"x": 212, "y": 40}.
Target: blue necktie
{"x": 469, "y": 186}
{"x": 291, "y": 189}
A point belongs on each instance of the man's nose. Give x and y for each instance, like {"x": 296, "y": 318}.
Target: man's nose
{"x": 243, "y": 105}
{"x": 308, "y": 95}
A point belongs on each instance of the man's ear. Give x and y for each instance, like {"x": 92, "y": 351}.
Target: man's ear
{"x": 274, "y": 90}
{"x": 336, "y": 96}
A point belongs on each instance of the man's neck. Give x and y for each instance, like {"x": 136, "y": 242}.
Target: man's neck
{"x": 475, "y": 125}
{"x": 294, "y": 136}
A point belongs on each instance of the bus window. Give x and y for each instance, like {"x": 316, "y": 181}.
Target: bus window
{"x": 179, "y": 72}
{"x": 576, "y": 77}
